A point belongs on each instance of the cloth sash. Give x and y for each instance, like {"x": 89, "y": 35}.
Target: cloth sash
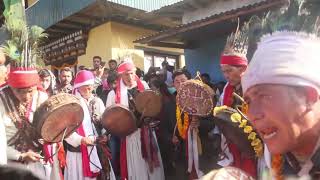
{"x": 90, "y": 160}
{"x": 193, "y": 151}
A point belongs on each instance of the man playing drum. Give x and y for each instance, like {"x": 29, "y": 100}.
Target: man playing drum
{"x": 20, "y": 97}
{"x": 134, "y": 162}
{"x": 18, "y": 100}
{"x": 192, "y": 123}
{"x": 282, "y": 88}
{"x": 83, "y": 160}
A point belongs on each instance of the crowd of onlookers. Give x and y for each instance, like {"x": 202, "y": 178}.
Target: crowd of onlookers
{"x": 106, "y": 76}
{"x": 157, "y": 79}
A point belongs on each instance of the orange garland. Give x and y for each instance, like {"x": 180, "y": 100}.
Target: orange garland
{"x": 277, "y": 166}
{"x": 182, "y": 127}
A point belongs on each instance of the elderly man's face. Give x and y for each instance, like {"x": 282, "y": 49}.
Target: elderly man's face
{"x": 280, "y": 116}
{"x": 24, "y": 95}
{"x": 128, "y": 78}
{"x": 86, "y": 91}
{"x": 232, "y": 73}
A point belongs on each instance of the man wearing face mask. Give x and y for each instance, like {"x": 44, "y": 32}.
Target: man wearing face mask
{"x": 192, "y": 158}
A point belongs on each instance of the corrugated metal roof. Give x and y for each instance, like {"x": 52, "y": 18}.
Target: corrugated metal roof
{"x": 48, "y": 12}
{"x": 146, "y": 5}
{"x": 203, "y": 22}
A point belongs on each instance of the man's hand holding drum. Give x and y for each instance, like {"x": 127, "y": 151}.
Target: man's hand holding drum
{"x": 88, "y": 141}
{"x": 29, "y": 156}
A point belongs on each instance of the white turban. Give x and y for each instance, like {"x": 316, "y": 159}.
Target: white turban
{"x": 287, "y": 58}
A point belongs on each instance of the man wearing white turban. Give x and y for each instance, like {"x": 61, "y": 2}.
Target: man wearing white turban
{"x": 282, "y": 89}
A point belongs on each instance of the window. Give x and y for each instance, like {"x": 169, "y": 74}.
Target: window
{"x": 156, "y": 59}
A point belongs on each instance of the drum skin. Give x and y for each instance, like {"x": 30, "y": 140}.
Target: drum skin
{"x": 148, "y": 103}
{"x": 119, "y": 120}
{"x": 59, "y": 112}
{"x": 195, "y": 98}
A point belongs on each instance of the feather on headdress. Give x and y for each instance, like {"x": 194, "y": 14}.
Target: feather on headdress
{"x": 301, "y": 16}
{"x": 237, "y": 42}
{"x": 288, "y": 48}
{"x": 236, "y": 47}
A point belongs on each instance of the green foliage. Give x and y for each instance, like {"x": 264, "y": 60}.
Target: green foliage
{"x": 22, "y": 46}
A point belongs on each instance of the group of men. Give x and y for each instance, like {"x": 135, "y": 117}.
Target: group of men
{"x": 280, "y": 86}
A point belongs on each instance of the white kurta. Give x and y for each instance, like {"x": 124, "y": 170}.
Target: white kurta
{"x": 41, "y": 169}
{"x": 138, "y": 168}
{"x": 74, "y": 159}
{"x": 3, "y": 139}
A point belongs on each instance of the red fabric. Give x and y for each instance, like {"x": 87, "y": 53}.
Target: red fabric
{"x": 234, "y": 60}
{"x": 47, "y": 150}
{"x": 123, "y": 159}
{"x": 227, "y": 97}
{"x": 246, "y": 164}
{"x": 23, "y": 79}
{"x": 149, "y": 148}
{"x": 126, "y": 66}
{"x": 85, "y": 157}
{"x": 61, "y": 155}
{"x": 82, "y": 77}
{"x": 3, "y": 85}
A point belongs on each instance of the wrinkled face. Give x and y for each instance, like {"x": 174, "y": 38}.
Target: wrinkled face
{"x": 66, "y": 77}
{"x": 178, "y": 80}
{"x": 128, "y": 78}
{"x": 45, "y": 82}
{"x": 96, "y": 63}
{"x": 24, "y": 95}
{"x": 86, "y": 91}
{"x": 232, "y": 73}
{"x": 279, "y": 114}
{"x": 112, "y": 65}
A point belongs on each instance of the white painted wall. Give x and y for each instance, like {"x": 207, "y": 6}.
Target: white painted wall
{"x": 216, "y": 7}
